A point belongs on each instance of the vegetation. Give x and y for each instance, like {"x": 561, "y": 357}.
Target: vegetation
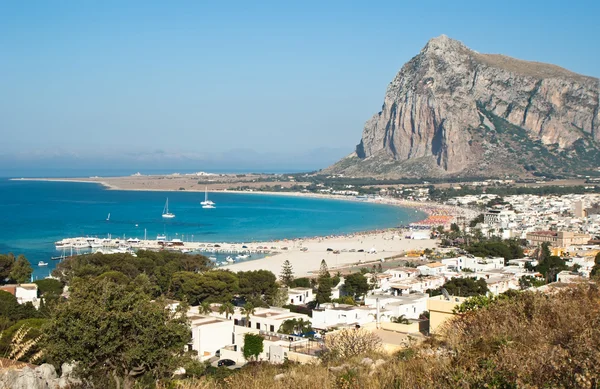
{"x": 325, "y": 284}
{"x": 349, "y": 343}
{"x": 356, "y": 285}
{"x": 525, "y": 340}
{"x": 510, "y": 249}
{"x": 287, "y": 274}
{"x": 116, "y": 332}
{"x": 295, "y": 327}
{"x": 463, "y": 287}
{"x": 253, "y": 346}
{"x": 14, "y": 269}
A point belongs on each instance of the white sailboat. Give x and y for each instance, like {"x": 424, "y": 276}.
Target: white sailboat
{"x": 206, "y": 203}
{"x": 108, "y": 217}
{"x": 42, "y": 263}
{"x": 166, "y": 214}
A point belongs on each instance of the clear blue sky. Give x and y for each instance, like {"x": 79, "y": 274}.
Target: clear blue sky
{"x": 106, "y": 77}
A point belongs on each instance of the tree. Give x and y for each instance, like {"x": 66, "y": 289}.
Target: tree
{"x": 113, "y": 330}
{"x": 49, "y": 286}
{"x": 356, "y": 285}
{"x": 287, "y": 274}
{"x": 21, "y": 270}
{"x": 6, "y": 264}
{"x": 399, "y": 319}
{"x": 596, "y": 269}
{"x": 551, "y": 266}
{"x": 295, "y": 326}
{"x": 280, "y": 298}
{"x": 258, "y": 286}
{"x": 464, "y": 287}
{"x": 205, "y": 308}
{"x": 348, "y": 343}
{"x": 454, "y": 227}
{"x": 477, "y": 220}
{"x": 253, "y": 346}
{"x": 248, "y": 310}
{"x": 325, "y": 285}
{"x": 227, "y": 308}
{"x": 301, "y": 283}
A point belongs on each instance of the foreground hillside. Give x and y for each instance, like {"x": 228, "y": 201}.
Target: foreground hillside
{"x": 452, "y": 111}
{"x": 527, "y": 340}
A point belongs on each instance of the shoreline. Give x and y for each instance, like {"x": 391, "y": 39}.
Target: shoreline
{"x": 388, "y": 242}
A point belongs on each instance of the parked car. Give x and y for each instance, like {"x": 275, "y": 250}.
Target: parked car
{"x": 225, "y": 362}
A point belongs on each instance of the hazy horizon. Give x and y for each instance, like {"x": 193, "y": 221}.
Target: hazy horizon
{"x": 206, "y": 86}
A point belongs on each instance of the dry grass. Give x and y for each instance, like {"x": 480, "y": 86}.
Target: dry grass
{"x": 529, "y": 341}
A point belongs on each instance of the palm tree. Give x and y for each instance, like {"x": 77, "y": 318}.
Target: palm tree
{"x": 205, "y": 308}
{"x": 247, "y": 310}
{"x": 228, "y": 309}
{"x": 400, "y": 319}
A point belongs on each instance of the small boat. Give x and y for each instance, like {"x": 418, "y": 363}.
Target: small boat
{"x": 239, "y": 257}
{"x": 206, "y": 200}
{"x": 42, "y": 263}
{"x": 212, "y": 258}
{"x": 229, "y": 259}
{"x": 166, "y": 214}
{"x": 208, "y": 206}
{"x": 108, "y": 217}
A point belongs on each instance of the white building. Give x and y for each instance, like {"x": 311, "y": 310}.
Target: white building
{"x": 341, "y": 315}
{"x": 432, "y": 269}
{"x": 267, "y": 319}
{"x": 24, "y": 293}
{"x": 209, "y": 334}
{"x": 300, "y": 296}
{"x": 476, "y": 264}
{"x": 417, "y": 284}
{"x": 409, "y": 306}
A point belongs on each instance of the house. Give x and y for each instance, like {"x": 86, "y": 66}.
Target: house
{"x": 267, "y": 319}
{"x": 276, "y": 347}
{"x": 568, "y": 277}
{"x": 432, "y": 269}
{"x": 475, "y": 264}
{"x": 300, "y": 296}
{"x": 209, "y": 334}
{"x": 332, "y": 315}
{"x": 558, "y": 238}
{"x": 25, "y": 293}
{"x": 410, "y": 306}
{"x": 441, "y": 309}
{"x": 417, "y": 284}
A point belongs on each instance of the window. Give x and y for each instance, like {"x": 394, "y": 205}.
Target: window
{"x": 272, "y": 328}
{"x": 258, "y": 326}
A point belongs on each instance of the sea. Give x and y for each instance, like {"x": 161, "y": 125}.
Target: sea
{"x": 35, "y": 214}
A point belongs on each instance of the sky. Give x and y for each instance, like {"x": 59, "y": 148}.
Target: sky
{"x": 164, "y": 83}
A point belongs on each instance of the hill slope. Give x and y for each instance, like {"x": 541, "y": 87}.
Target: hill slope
{"x": 452, "y": 111}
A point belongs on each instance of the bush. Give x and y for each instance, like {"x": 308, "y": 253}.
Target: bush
{"x": 349, "y": 343}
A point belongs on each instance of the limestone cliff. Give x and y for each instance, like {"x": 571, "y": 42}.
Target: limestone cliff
{"x": 451, "y": 111}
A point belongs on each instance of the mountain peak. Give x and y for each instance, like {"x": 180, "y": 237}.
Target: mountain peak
{"x": 452, "y": 111}
{"x": 444, "y": 43}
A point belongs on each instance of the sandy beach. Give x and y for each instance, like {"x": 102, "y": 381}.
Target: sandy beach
{"x": 305, "y": 263}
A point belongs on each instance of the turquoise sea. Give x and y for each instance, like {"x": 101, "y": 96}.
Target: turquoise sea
{"x": 35, "y": 214}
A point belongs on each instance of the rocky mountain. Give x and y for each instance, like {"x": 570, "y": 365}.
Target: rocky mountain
{"x": 452, "y": 111}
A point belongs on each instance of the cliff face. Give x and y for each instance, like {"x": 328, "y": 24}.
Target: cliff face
{"x": 449, "y": 108}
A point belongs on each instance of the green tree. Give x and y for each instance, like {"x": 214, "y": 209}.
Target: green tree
{"x": 227, "y": 308}
{"x": 295, "y": 326}
{"x": 204, "y": 308}
{"x": 454, "y": 227}
{"x": 325, "y": 284}
{"x": 116, "y": 331}
{"x": 253, "y": 346}
{"x": 399, "y": 319}
{"x": 21, "y": 270}
{"x": 6, "y": 263}
{"x": 477, "y": 220}
{"x": 596, "y": 269}
{"x": 248, "y": 310}
{"x": 49, "y": 286}
{"x": 551, "y": 266}
{"x": 258, "y": 286}
{"x": 287, "y": 274}
{"x": 301, "y": 283}
{"x": 464, "y": 287}
{"x": 356, "y": 285}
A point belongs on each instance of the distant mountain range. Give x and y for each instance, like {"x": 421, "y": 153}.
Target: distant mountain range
{"x": 452, "y": 111}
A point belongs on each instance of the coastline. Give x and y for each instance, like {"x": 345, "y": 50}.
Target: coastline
{"x": 389, "y": 242}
